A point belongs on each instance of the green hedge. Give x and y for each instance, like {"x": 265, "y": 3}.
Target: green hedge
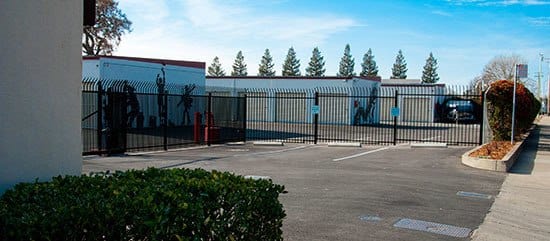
{"x": 154, "y": 204}
{"x": 499, "y": 109}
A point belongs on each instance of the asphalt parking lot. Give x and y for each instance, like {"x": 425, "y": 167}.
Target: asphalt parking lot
{"x": 347, "y": 193}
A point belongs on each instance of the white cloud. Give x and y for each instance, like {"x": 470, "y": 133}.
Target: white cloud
{"x": 540, "y": 21}
{"x": 238, "y": 21}
{"x": 441, "y": 13}
{"x": 201, "y": 29}
{"x": 499, "y": 3}
{"x": 146, "y": 10}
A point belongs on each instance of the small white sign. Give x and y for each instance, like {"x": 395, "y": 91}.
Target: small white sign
{"x": 395, "y": 111}
{"x": 315, "y": 109}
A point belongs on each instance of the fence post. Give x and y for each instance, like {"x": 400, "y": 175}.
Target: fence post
{"x": 482, "y": 125}
{"x": 99, "y": 116}
{"x": 208, "y": 119}
{"x": 316, "y": 121}
{"x": 244, "y": 117}
{"x": 165, "y": 117}
{"x": 396, "y": 101}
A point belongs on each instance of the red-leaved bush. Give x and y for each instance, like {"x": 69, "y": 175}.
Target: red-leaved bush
{"x": 499, "y": 109}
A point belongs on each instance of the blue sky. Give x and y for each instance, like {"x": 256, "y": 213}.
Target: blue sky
{"x": 462, "y": 34}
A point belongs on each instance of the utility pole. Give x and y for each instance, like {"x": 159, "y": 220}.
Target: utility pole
{"x": 547, "y": 60}
{"x": 539, "y": 75}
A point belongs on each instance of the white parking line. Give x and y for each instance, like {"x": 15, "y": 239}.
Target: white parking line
{"x": 272, "y": 152}
{"x": 360, "y": 154}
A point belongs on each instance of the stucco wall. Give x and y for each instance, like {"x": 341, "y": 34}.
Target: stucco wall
{"x": 40, "y": 96}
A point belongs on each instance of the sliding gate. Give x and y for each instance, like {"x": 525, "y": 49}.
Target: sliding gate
{"x": 386, "y": 116}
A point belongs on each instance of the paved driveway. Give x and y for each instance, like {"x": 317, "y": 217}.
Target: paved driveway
{"x": 344, "y": 193}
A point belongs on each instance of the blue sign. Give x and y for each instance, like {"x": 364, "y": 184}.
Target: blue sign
{"x": 315, "y": 109}
{"x": 395, "y": 112}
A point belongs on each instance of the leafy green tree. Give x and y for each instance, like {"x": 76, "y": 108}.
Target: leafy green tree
{"x": 316, "y": 66}
{"x": 105, "y": 35}
{"x": 291, "y": 66}
{"x": 266, "y": 65}
{"x": 239, "y": 66}
{"x": 429, "y": 74}
{"x": 369, "y": 67}
{"x": 215, "y": 69}
{"x": 347, "y": 64}
{"x": 399, "y": 69}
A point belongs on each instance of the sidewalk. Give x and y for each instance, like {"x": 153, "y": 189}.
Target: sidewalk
{"x": 522, "y": 209}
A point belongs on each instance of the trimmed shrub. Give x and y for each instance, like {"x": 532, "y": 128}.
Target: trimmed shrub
{"x": 499, "y": 109}
{"x": 152, "y": 204}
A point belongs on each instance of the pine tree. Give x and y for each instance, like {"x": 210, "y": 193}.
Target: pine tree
{"x": 316, "y": 66}
{"x": 215, "y": 69}
{"x": 266, "y": 65}
{"x": 429, "y": 75}
{"x": 239, "y": 67}
{"x": 291, "y": 66}
{"x": 369, "y": 67}
{"x": 347, "y": 64}
{"x": 399, "y": 69}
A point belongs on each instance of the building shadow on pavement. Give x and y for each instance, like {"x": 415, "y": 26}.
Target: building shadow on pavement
{"x": 526, "y": 160}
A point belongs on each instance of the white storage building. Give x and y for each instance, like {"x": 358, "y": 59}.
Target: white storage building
{"x": 342, "y": 100}
{"x": 417, "y": 102}
{"x": 143, "y": 69}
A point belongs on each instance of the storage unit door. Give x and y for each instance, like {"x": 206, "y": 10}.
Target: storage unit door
{"x": 256, "y": 106}
{"x": 334, "y": 108}
{"x": 417, "y": 109}
{"x": 386, "y": 104}
{"x": 290, "y": 107}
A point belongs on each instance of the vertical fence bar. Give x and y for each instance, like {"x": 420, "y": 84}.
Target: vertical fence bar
{"x": 316, "y": 120}
{"x": 482, "y": 119}
{"x": 165, "y": 124}
{"x": 396, "y": 98}
{"x": 245, "y": 112}
{"x": 99, "y": 115}
{"x": 208, "y": 118}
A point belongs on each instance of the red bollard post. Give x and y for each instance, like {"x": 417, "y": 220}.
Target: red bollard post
{"x": 197, "y": 128}
{"x": 211, "y": 131}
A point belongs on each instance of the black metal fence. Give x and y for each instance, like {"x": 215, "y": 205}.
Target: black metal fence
{"x": 120, "y": 116}
{"x": 387, "y": 115}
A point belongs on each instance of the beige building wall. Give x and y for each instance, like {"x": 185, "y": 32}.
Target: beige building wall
{"x": 40, "y": 97}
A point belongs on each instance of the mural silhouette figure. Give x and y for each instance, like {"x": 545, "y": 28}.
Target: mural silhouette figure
{"x": 161, "y": 83}
{"x": 187, "y": 102}
{"x": 366, "y": 115}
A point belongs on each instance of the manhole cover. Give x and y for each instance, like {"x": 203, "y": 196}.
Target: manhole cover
{"x": 431, "y": 227}
{"x": 473, "y": 194}
{"x": 369, "y": 218}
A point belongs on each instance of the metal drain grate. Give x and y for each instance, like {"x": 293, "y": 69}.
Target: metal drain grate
{"x": 369, "y": 218}
{"x": 474, "y": 195}
{"x": 437, "y": 228}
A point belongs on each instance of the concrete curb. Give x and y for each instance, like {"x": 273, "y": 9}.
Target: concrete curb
{"x": 268, "y": 143}
{"x": 428, "y": 145}
{"x": 238, "y": 143}
{"x": 502, "y": 165}
{"x": 344, "y": 144}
